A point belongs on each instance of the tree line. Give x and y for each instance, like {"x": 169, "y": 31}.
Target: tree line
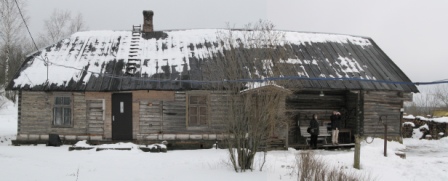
{"x": 432, "y": 99}
{"x": 16, "y": 43}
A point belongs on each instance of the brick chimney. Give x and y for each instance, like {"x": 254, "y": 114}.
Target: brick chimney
{"x": 147, "y": 21}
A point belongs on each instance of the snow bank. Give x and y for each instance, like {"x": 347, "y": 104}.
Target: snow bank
{"x": 117, "y": 145}
{"x": 8, "y": 121}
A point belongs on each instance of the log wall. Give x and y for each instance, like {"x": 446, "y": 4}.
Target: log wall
{"x": 162, "y": 115}
{"x": 377, "y": 104}
{"x": 167, "y": 119}
{"x": 157, "y": 115}
{"x": 36, "y": 115}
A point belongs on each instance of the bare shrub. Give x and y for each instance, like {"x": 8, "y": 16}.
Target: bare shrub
{"x": 253, "y": 106}
{"x": 310, "y": 167}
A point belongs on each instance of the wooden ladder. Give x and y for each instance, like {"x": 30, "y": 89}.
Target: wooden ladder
{"x": 133, "y": 60}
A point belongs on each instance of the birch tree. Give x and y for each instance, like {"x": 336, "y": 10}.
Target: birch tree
{"x": 11, "y": 37}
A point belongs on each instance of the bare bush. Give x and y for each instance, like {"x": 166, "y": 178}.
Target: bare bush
{"x": 253, "y": 106}
{"x": 310, "y": 167}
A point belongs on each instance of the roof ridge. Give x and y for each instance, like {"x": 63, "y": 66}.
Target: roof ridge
{"x": 235, "y": 29}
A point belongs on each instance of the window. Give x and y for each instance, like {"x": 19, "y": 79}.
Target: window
{"x": 197, "y": 110}
{"x": 62, "y": 111}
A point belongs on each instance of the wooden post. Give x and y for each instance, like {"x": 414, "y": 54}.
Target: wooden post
{"x": 287, "y": 135}
{"x": 385, "y": 140}
{"x": 357, "y": 161}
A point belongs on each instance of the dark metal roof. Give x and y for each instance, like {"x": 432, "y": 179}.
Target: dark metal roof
{"x": 186, "y": 59}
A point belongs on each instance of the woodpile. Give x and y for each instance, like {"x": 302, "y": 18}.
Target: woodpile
{"x": 436, "y": 130}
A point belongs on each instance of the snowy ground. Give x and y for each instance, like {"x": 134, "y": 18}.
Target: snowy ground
{"x": 8, "y": 122}
{"x": 426, "y": 160}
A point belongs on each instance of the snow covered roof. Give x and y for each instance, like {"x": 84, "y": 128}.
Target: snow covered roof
{"x": 180, "y": 60}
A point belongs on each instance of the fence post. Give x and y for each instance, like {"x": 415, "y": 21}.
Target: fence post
{"x": 357, "y": 161}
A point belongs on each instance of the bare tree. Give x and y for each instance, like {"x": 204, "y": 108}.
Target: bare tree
{"x": 59, "y": 25}
{"x": 254, "y": 106}
{"x": 431, "y": 98}
{"x": 77, "y": 24}
{"x": 11, "y": 38}
{"x": 441, "y": 94}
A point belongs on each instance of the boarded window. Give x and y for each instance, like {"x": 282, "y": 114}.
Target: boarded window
{"x": 197, "y": 110}
{"x": 95, "y": 116}
{"x": 62, "y": 111}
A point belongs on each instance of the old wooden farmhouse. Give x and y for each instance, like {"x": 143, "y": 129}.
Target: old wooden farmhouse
{"x": 150, "y": 86}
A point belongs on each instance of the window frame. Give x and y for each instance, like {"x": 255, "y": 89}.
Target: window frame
{"x": 207, "y": 110}
{"x": 63, "y": 106}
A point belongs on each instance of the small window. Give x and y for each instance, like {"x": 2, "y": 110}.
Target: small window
{"x": 62, "y": 111}
{"x": 197, "y": 111}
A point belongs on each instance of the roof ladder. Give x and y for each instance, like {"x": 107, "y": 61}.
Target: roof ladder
{"x": 134, "y": 60}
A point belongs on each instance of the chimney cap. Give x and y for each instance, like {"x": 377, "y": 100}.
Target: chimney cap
{"x": 148, "y": 12}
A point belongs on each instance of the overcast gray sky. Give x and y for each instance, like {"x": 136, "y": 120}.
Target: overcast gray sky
{"x": 413, "y": 33}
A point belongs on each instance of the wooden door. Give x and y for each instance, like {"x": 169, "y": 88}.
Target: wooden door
{"x": 122, "y": 116}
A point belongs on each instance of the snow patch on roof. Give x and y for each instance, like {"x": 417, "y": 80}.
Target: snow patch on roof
{"x": 70, "y": 56}
{"x": 323, "y": 38}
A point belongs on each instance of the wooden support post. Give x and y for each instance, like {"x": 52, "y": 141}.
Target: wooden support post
{"x": 357, "y": 161}
{"x": 287, "y": 135}
{"x": 385, "y": 140}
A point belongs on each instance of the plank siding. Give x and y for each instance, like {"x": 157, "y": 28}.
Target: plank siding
{"x": 146, "y": 111}
{"x": 150, "y": 117}
{"x": 376, "y": 104}
{"x": 174, "y": 116}
{"x": 95, "y": 117}
{"x": 79, "y": 112}
{"x": 218, "y": 111}
{"x": 170, "y": 117}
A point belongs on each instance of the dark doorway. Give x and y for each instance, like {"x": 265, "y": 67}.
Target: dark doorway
{"x": 122, "y": 116}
